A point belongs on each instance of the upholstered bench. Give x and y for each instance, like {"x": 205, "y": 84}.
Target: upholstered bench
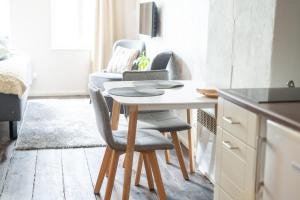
{"x": 97, "y": 79}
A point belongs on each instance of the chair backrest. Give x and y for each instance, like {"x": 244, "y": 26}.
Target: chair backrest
{"x": 145, "y": 75}
{"x": 161, "y": 60}
{"x": 102, "y": 115}
{"x": 130, "y": 44}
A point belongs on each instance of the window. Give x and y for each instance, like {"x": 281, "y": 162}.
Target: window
{"x": 72, "y": 24}
{"x": 4, "y": 18}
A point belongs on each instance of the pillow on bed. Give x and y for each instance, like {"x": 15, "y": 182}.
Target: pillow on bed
{"x": 3, "y": 41}
{"x": 122, "y": 60}
{"x": 4, "y": 53}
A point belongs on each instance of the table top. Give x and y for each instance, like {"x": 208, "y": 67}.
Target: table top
{"x": 176, "y": 98}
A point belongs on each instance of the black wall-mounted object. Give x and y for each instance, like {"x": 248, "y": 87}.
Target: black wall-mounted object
{"x": 148, "y": 19}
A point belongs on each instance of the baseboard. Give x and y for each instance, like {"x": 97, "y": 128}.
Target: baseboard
{"x": 60, "y": 93}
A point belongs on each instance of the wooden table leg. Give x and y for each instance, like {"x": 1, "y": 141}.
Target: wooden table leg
{"x": 115, "y": 115}
{"x": 190, "y": 143}
{"x": 129, "y": 151}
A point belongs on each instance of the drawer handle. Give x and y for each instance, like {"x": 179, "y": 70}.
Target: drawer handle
{"x": 228, "y": 145}
{"x": 296, "y": 166}
{"x": 230, "y": 121}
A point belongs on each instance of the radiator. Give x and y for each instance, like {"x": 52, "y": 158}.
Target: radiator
{"x": 206, "y": 142}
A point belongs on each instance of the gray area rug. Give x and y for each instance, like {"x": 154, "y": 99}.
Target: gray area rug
{"x": 58, "y": 123}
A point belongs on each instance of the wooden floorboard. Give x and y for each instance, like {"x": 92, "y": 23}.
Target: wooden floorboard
{"x": 136, "y": 192}
{"x": 70, "y": 174}
{"x": 77, "y": 180}
{"x": 94, "y": 158}
{"x": 7, "y": 150}
{"x": 48, "y": 183}
{"x": 197, "y": 187}
{"x": 20, "y": 177}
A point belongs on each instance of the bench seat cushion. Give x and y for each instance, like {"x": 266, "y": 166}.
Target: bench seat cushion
{"x": 98, "y": 78}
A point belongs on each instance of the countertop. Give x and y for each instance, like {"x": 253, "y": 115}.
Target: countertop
{"x": 287, "y": 113}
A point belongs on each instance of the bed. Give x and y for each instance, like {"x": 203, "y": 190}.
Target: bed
{"x": 15, "y": 81}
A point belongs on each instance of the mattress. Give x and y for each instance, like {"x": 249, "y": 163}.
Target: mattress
{"x": 15, "y": 75}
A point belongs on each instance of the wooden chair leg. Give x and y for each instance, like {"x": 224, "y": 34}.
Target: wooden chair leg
{"x": 144, "y": 157}
{"x": 167, "y": 152}
{"x": 115, "y": 116}
{"x": 124, "y": 161}
{"x": 103, "y": 169}
{"x": 179, "y": 155}
{"x": 108, "y": 167}
{"x": 148, "y": 172}
{"x": 139, "y": 170}
{"x": 112, "y": 174}
{"x": 157, "y": 175}
{"x": 190, "y": 143}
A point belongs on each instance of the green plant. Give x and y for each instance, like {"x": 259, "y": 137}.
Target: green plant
{"x": 143, "y": 61}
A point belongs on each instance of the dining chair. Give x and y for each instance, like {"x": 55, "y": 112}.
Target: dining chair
{"x": 164, "y": 121}
{"x": 147, "y": 142}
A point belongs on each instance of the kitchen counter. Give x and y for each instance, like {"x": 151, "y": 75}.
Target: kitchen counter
{"x": 257, "y": 131}
{"x": 287, "y": 113}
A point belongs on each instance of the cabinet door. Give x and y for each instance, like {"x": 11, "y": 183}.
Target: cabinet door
{"x": 282, "y": 163}
{"x": 219, "y": 194}
{"x": 239, "y": 122}
{"x": 235, "y": 166}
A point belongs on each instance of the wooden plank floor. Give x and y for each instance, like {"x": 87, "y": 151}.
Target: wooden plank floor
{"x": 70, "y": 174}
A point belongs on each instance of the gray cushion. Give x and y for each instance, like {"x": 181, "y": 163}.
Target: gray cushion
{"x": 163, "y": 121}
{"x": 97, "y": 79}
{"x": 161, "y": 60}
{"x": 146, "y": 140}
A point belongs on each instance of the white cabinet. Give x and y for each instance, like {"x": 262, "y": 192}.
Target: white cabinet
{"x": 235, "y": 152}
{"x": 240, "y": 122}
{"x": 282, "y": 163}
{"x": 220, "y": 194}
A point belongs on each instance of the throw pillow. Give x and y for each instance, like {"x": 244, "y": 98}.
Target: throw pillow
{"x": 122, "y": 60}
{"x": 4, "y": 53}
{"x": 3, "y": 40}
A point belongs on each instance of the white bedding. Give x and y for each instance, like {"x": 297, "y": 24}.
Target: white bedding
{"x": 15, "y": 75}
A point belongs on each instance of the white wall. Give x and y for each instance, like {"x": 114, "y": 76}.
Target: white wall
{"x": 219, "y": 49}
{"x": 58, "y": 72}
{"x": 240, "y": 43}
{"x": 183, "y": 30}
{"x": 221, "y": 43}
{"x": 286, "y": 49}
{"x": 252, "y": 44}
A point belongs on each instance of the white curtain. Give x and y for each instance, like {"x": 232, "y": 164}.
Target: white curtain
{"x": 115, "y": 20}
